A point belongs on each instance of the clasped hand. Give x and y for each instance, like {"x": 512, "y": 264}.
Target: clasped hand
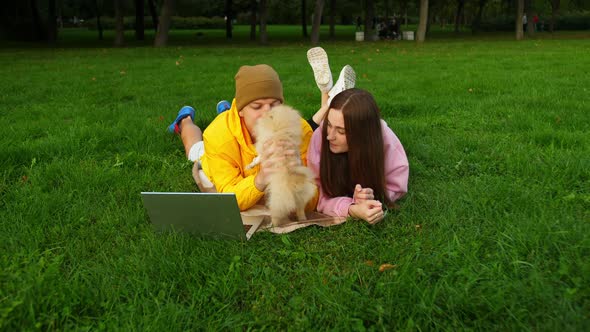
{"x": 365, "y": 206}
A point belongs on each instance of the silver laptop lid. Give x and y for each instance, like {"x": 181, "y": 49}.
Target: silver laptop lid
{"x": 206, "y": 214}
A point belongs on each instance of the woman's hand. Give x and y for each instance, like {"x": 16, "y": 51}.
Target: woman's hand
{"x": 362, "y": 194}
{"x": 368, "y": 210}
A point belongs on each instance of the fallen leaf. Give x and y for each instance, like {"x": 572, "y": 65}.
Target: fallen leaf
{"x": 161, "y": 118}
{"x": 418, "y": 227}
{"x": 25, "y": 178}
{"x": 470, "y": 90}
{"x": 122, "y": 72}
{"x": 178, "y": 63}
{"x": 369, "y": 263}
{"x": 385, "y": 267}
{"x": 94, "y": 78}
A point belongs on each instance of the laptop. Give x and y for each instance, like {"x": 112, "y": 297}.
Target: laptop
{"x": 213, "y": 215}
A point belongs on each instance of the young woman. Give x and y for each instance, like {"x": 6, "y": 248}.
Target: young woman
{"x": 359, "y": 163}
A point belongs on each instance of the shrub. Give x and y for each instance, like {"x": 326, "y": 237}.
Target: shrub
{"x": 185, "y": 23}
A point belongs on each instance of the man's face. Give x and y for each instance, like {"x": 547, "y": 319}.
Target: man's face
{"x": 254, "y": 110}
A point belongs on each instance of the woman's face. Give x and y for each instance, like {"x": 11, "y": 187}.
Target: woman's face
{"x": 336, "y": 133}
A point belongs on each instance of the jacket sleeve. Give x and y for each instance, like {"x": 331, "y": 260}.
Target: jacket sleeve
{"x": 397, "y": 168}
{"x": 303, "y": 149}
{"x": 226, "y": 173}
{"x": 332, "y": 206}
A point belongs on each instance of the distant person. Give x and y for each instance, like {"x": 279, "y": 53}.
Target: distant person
{"x": 535, "y": 21}
{"x": 524, "y": 22}
{"x": 358, "y": 23}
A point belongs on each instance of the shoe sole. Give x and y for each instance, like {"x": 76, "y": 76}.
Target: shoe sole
{"x": 318, "y": 59}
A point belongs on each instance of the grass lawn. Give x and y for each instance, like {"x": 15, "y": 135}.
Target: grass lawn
{"x": 494, "y": 233}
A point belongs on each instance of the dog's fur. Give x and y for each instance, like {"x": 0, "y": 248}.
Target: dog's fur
{"x": 290, "y": 188}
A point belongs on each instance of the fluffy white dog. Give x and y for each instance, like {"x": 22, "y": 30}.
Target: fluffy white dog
{"x": 290, "y": 188}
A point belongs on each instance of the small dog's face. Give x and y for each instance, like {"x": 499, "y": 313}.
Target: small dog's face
{"x": 281, "y": 120}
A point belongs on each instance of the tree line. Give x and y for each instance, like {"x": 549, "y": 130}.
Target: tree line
{"x": 41, "y": 19}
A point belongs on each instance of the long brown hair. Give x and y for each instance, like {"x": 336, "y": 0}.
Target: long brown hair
{"x": 364, "y": 163}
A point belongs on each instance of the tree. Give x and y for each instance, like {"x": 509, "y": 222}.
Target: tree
{"x": 477, "y": 20}
{"x": 423, "y": 21}
{"x": 139, "y": 24}
{"x": 97, "y": 7}
{"x": 263, "y": 14}
{"x": 164, "y": 26}
{"x": 519, "y": 11}
{"x": 253, "y": 10}
{"x": 369, "y": 18}
{"x": 51, "y": 22}
{"x": 530, "y": 25}
{"x": 304, "y": 18}
{"x": 228, "y": 19}
{"x": 38, "y": 32}
{"x": 154, "y": 13}
{"x": 120, "y": 28}
{"x": 332, "y": 19}
{"x": 317, "y": 21}
{"x": 459, "y": 14}
{"x": 554, "y": 12}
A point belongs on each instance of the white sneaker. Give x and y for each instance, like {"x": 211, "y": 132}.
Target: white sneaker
{"x": 318, "y": 59}
{"x": 346, "y": 81}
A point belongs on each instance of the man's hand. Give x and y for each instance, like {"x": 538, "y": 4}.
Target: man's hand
{"x": 274, "y": 156}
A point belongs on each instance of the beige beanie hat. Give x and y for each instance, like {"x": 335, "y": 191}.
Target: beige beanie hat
{"x": 257, "y": 82}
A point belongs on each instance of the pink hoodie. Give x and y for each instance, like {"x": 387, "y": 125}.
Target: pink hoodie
{"x": 396, "y": 172}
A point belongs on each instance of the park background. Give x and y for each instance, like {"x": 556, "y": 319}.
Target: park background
{"x": 492, "y": 235}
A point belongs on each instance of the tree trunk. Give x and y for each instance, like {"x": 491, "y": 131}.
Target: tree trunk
{"x": 119, "y": 27}
{"x": 161, "y": 39}
{"x": 263, "y": 13}
{"x": 530, "y": 28}
{"x": 477, "y": 21}
{"x": 554, "y": 12}
{"x": 38, "y": 32}
{"x": 460, "y": 6}
{"x": 228, "y": 19}
{"x": 519, "y": 11}
{"x": 253, "y": 10}
{"x": 332, "y": 19}
{"x": 317, "y": 21}
{"x": 423, "y": 21}
{"x": 98, "y": 24}
{"x": 304, "y": 18}
{"x": 51, "y": 23}
{"x": 139, "y": 23}
{"x": 406, "y": 14}
{"x": 154, "y": 13}
{"x": 369, "y": 17}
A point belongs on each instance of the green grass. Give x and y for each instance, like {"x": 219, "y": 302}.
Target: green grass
{"x": 493, "y": 234}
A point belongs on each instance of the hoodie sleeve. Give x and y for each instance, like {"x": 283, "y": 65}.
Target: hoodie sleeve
{"x": 332, "y": 206}
{"x": 397, "y": 168}
{"x": 225, "y": 171}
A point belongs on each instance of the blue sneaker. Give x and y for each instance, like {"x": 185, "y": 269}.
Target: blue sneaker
{"x": 183, "y": 113}
{"x": 223, "y": 106}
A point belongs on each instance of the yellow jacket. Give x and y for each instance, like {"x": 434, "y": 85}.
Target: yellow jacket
{"x": 229, "y": 149}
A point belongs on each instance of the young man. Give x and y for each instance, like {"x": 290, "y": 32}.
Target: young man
{"x": 227, "y": 145}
